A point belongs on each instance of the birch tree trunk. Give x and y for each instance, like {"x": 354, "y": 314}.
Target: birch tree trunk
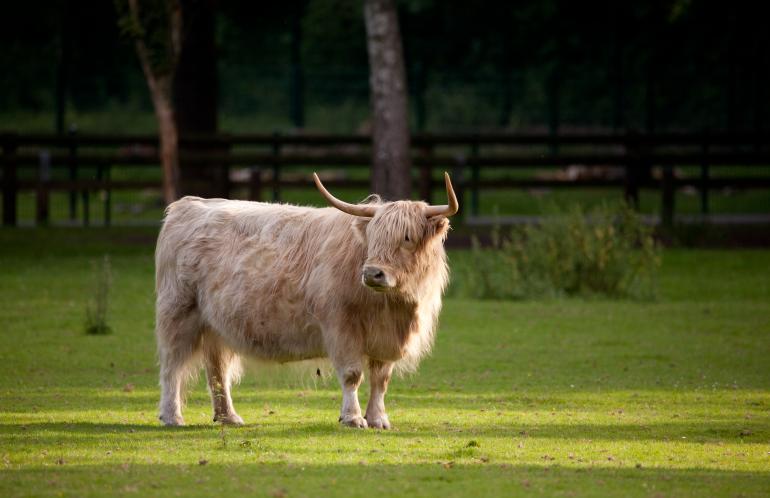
{"x": 391, "y": 159}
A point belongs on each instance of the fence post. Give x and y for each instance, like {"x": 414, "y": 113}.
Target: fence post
{"x": 85, "y": 194}
{"x": 704, "y": 178}
{"x": 276, "y": 167}
{"x": 633, "y": 164}
{"x": 72, "y": 163}
{"x": 225, "y": 172}
{"x": 10, "y": 181}
{"x": 107, "y": 199}
{"x": 475, "y": 177}
{"x": 458, "y": 182}
{"x": 669, "y": 191}
{"x": 426, "y": 172}
{"x": 104, "y": 193}
{"x": 255, "y": 184}
{"x": 42, "y": 210}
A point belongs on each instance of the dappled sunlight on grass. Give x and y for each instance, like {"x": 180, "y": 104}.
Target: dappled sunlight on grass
{"x": 720, "y": 430}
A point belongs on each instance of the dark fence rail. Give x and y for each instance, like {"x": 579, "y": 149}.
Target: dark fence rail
{"x": 466, "y": 155}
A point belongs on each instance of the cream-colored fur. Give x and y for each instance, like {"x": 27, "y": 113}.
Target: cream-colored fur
{"x": 283, "y": 283}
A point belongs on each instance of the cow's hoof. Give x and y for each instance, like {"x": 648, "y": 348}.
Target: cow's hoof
{"x": 171, "y": 420}
{"x": 380, "y": 422}
{"x": 356, "y": 421}
{"x": 229, "y": 419}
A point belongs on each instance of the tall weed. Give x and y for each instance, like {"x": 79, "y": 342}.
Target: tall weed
{"x": 98, "y": 304}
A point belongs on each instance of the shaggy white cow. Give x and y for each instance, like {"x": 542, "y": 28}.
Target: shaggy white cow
{"x": 360, "y": 284}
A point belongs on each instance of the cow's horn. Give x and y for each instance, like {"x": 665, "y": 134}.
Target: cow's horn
{"x": 447, "y": 209}
{"x": 354, "y": 209}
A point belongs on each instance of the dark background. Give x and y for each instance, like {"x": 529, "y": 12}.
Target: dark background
{"x": 481, "y": 65}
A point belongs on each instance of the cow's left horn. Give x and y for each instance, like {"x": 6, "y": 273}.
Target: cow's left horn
{"x": 447, "y": 209}
{"x": 354, "y": 209}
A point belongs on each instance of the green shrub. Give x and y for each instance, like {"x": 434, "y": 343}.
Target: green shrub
{"x": 606, "y": 251}
{"x": 96, "y": 309}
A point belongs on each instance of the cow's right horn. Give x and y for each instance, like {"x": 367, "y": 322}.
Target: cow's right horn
{"x": 354, "y": 209}
{"x": 447, "y": 209}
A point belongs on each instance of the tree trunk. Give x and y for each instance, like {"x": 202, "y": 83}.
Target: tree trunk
{"x": 195, "y": 75}
{"x": 391, "y": 159}
{"x": 195, "y": 96}
{"x": 169, "y": 147}
{"x": 160, "y": 82}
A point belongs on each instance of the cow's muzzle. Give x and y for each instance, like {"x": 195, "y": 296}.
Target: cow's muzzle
{"x": 375, "y": 278}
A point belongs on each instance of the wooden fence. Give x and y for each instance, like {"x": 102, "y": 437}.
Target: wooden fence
{"x": 466, "y": 156}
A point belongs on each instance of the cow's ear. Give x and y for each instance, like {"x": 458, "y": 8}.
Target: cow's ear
{"x": 359, "y": 228}
{"x": 438, "y": 226}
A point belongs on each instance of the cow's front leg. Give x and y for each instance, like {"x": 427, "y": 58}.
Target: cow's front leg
{"x": 350, "y": 376}
{"x": 379, "y": 377}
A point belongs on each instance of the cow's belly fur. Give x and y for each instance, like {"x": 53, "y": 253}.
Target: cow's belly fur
{"x": 272, "y": 335}
{"x": 257, "y": 312}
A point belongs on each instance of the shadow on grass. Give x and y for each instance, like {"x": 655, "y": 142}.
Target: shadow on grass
{"x": 575, "y": 401}
{"x": 435, "y": 479}
{"x": 278, "y": 428}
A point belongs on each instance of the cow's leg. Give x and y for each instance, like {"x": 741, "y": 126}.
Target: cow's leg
{"x": 350, "y": 374}
{"x": 178, "y": 338}
{"x": 223, "y": 366}
{"x": 379, "y": 377}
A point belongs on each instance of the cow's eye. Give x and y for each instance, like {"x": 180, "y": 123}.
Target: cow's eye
{"x": 406, "y": 237}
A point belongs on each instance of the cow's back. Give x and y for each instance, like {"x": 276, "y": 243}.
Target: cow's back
{"x": 244, "y": 267}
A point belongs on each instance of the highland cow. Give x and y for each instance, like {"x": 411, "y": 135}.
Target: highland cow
{"x": 360, "y": 284}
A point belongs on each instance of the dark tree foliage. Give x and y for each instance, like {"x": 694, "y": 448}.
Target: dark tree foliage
{"x": 657, "y": 65}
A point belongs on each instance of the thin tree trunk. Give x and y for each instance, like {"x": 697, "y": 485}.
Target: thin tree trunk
{"x": 391, "y": 160}
{"x": 169, "y": 147}
{"x": 195, "y": 97}
{"x": 195, "y": 85}
{"x": 160, "y": 85}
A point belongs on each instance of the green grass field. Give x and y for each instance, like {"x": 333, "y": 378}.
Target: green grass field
{"x": 552, "y": 398}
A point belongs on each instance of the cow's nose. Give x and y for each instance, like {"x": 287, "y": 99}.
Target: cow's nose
{"x": 374, "y": 277}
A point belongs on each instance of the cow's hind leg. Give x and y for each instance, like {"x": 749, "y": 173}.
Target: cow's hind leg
{"x": 223, "y": 366}
{"x": 179, "y": 337}
{"x": 379, "y": 377}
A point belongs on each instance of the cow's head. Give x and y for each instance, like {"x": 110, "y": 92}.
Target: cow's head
{"x": 403, "y": 239}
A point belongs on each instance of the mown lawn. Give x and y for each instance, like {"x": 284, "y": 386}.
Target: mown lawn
{"x": 557, "y": 398}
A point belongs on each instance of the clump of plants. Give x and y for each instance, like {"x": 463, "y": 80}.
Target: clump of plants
{"x": 98, "y": 303}
{"x": 606, "y": 251}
